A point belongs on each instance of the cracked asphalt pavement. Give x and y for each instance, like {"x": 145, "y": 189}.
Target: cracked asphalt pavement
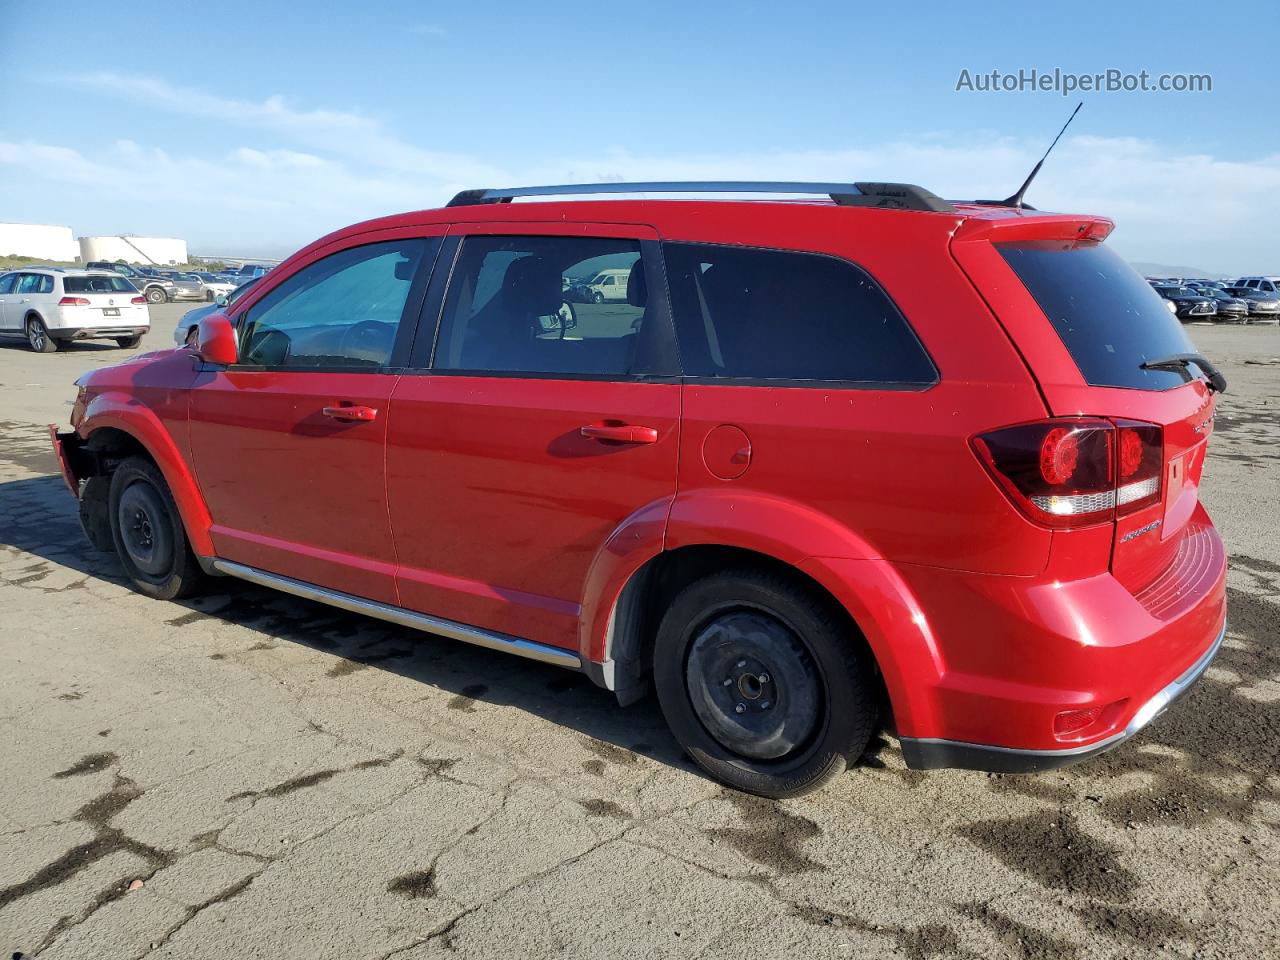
{"x": 251, "y": 775}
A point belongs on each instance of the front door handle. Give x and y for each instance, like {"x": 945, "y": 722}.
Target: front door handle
{"x": 351, "y": 412}
{"x": 626, "y": 433}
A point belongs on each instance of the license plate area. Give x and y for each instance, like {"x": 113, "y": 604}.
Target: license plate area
{"x": 111, "y": 311}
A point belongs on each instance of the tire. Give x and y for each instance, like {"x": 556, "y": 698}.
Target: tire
{"x": 38, "y": 336}
{"x": 148, "y": 534}
{"x": 208, "y": 296}
{"x": 128, "y": 343}
{"x": 156, "y": 295}
{"x": 597, "y": 297}
{"x": 795, "y": 651}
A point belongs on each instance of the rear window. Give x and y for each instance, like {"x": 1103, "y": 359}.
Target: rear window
{"x": 744, "y": 313}
{"x": 104, "y": 284}
{"x": 1108, "y": 317}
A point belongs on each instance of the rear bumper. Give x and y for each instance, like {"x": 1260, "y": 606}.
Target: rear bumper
{"x": 98, "y": 333}
{"x": 933, "y": 753}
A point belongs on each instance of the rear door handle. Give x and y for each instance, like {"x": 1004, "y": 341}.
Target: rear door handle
{"x": 351, "y": 412}
{"x": 621, "y": 434}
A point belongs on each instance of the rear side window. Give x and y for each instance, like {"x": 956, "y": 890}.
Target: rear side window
{"x": 1109, "y": 318}
{"x": 749, "y": 314}
{"x": 111, "y": 284}
{"x": 551, "y": 305}
{"x": 34, "y": 283}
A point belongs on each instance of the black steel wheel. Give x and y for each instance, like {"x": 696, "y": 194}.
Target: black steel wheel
{"x": 148, "y": 533}
{"x": 764, "y": 682}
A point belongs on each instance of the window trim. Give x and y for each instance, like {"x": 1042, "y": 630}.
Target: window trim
{"x": 897, "y": 386}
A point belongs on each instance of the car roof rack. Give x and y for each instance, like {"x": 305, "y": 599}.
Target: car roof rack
{"x": 893, "y": 196}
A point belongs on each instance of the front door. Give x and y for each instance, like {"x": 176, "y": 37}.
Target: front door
{"x": 536, "y": 432}
{"x": 288, "y": 444}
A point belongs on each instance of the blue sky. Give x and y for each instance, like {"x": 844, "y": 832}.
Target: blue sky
{"x": 253, "y": 128}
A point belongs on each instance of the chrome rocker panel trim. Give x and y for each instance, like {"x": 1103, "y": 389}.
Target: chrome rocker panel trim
{"x": 927, "y": 753}
{"x": 402, "y": 617}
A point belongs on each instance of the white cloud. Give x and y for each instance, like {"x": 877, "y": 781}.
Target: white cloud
{"x": 327, "y": 167}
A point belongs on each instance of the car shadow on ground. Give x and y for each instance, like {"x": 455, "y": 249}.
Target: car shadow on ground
{"x": 38, "y": 518}
{"x": 64, "y": 346}
{"x": 1225, "y": 728}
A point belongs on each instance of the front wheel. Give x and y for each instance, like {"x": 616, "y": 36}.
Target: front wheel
{"x": 761, "y": 683}
{"x": 208, "y": 296}
{"x": 597, "y": 297}
{"x": 156, "y": 295}
{"x": 128, "y": 343}
{"x": 38, "y": 337}
{"x": 148, "y": 533}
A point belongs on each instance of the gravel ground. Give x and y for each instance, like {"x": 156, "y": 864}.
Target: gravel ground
{"x": 253, "y": 776}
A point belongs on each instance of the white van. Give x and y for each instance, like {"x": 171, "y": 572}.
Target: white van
{"x": 609, "y": 284}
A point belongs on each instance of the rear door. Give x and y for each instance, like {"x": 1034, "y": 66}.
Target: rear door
{"x": 289, "y": 443}
{"x": 1108, "y": 323}
{"x": 531, "y": 431}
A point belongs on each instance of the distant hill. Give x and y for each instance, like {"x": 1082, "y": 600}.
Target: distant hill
{"x": 1166, "y": 270}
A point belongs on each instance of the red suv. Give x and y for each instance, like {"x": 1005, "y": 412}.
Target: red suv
{"x": 816, "y": 465}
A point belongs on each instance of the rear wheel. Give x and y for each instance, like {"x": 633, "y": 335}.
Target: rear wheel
{"x": 148, "y": 533}
{"x": 155, "y": 295}
{"x": 208, "y": 296}
{"x": 128, "y": 343}
{"x": 761, "y": 685}
{"x": 38, "y": 336}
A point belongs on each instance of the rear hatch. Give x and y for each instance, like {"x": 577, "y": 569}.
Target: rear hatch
{"x": 1105, "y": 327}
{"x": 104, "y": 299}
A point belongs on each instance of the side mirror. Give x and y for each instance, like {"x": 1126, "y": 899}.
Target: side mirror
{"x": 220, "y": 299}
{"x": 217, "y": 340}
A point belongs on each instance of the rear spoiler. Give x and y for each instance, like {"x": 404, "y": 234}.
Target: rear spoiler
{"x": 1052, "y": 226}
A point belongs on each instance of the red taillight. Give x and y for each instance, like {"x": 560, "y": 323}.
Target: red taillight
{"x": 1072, "y": 472}
{"x": 1141, "y": 465}
{"x": 73, "y": 302}
{"x": 139, "y": 300}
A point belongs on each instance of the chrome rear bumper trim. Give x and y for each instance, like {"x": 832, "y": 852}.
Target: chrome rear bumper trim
{"x": 399, "y": 615}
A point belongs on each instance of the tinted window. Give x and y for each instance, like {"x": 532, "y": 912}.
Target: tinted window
{"x": 34, "y": 283}
{"x": 343, "y": 310}
{"x": 774, "y": 315}
{"x": 525, "y": 305}
{"x": 7, "y": 282}
{"x": 102, "y": 284}
{"x": 1109, "y": 319}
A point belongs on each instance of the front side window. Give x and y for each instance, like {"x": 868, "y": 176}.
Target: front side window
{"x": 509, "y": 310}
{"x": 743, "y": 313}
{"x": 342, "y": 311}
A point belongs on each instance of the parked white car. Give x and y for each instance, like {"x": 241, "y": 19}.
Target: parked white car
{"x": 52, "y": 305}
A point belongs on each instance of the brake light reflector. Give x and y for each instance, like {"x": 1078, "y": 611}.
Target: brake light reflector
{"x": 1075, "y": 471}
{"x": 73, "y": 302}
{"x": 1071, "y": 721}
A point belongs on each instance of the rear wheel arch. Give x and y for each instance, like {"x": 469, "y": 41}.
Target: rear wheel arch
{"x": 649, "y": 591}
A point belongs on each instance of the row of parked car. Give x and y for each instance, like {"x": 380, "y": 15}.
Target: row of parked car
{"x": 48, "y": 305}
{"x": 1245, "y": 300}
{"x": 160, "y": 285}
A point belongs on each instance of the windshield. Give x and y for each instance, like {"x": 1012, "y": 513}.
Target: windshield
{"x": 1109, "y": 318}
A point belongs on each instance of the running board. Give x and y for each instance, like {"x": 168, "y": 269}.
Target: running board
{"x": 402, "y": 617}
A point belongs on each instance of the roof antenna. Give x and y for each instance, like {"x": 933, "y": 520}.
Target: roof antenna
{"x": 1015, "y": 201}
